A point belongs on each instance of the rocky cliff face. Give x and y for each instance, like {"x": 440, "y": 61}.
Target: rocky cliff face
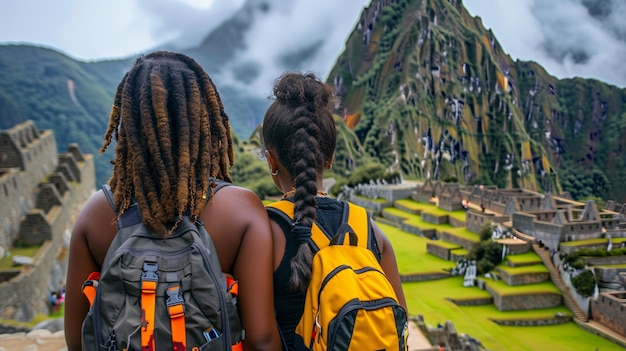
{"x": 431, "y": 93}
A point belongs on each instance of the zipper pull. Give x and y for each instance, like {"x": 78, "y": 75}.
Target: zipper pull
{"x": 317, "y": 331}
{"x": 318, "y": 327}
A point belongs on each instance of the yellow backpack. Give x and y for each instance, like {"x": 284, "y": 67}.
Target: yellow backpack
{"x": 349, "y": 303}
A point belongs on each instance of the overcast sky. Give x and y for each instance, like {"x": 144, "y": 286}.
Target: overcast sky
{"x": 569, "y": 38}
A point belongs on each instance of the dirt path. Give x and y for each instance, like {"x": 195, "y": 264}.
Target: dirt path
{"x": 43, "y": 340}
{"x": 36, "y": 340}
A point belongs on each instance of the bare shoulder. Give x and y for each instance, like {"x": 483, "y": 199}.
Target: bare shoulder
{"x": 234, "y": 195}
{"x": 236, "y": 203}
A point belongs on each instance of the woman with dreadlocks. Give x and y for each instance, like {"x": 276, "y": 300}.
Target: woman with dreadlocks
{"x": 299, "y": 136}
{"x": 173, "y": 140}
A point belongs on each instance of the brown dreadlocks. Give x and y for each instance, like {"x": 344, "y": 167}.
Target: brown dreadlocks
{"x": 173, "y": 139}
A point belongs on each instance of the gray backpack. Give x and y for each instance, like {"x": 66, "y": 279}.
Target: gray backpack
{"x": 156, "y": 293}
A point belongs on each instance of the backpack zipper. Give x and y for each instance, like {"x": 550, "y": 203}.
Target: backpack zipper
{"x": 352, "y": 305}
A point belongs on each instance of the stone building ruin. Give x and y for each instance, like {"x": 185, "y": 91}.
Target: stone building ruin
{"x": 41, "y": 194}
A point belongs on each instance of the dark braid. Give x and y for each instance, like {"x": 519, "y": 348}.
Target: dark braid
{"x": 300, "y": 127}
{"x": 173, "y": 139}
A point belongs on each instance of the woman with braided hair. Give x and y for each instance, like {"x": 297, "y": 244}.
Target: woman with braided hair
{"x": 173, "y": 141}
{"x": 299, "y": 136}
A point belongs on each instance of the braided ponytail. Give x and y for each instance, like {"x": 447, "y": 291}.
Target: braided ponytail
{"x": 299, "y": 125}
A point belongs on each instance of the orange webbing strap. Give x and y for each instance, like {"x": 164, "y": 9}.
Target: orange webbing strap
{"x": 176, "y": 309}
{"x": 149, "y": 279}
{"x": 90, "y": 287}
{"x": 358, "y": 221}
{"x": 232, "y": 285}
{"x": 237, "y": 347}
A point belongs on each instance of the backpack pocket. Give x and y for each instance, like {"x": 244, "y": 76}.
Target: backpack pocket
{"x": 215, "y": 344}
{"x": 363, "y": 325}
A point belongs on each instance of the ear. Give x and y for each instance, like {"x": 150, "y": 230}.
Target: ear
{"x": 329, "y": 164}
{"x": 271, "y": 161}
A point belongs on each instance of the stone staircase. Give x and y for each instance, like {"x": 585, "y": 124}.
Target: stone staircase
{"x": 568, "y": 301}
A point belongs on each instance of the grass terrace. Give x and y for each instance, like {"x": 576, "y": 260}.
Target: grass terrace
{"x": 430, "y": 299}
{"x": 411, "y": 252}
{"x": 7, "y": 261}
{"x": 525, "y": 259}
{"x": 379, "y": 200}
{"x": 536, "y": 268}
{"x": 597, "y": 241}
{"x": 504, "y": 289}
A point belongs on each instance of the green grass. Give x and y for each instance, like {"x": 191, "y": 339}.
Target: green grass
{"x": 398, "y": 212}
{"x": 379, "y": 200}
{"x": 414, "y": 205}
{"x": 7, "y": 261}
{"x": 458, "y": 215}
{"x": 464, "y": 233}
{"x": 596, "y": 241}
{"x": 445, "y": 244}
{"x": 411, "y": 252}
{"x": 540, "y": 288}
{"x": 536, "y": 268}
{"x": 523, "y": 259}
{"x": 612, "y": 266}
{"x": 429, "y": 299}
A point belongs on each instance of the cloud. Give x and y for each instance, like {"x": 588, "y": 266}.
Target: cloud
{"x": 181, "y": 24}
{"x": 318, "y": 29}
{"x": 569, "y": 38}
{"x": 585, "y": 38}
{"x": 82, "y": 29}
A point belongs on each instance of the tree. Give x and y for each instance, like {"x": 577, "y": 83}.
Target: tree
{"x": 585, "y": 283}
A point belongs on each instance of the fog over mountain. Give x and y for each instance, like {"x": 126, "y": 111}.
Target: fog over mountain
{"x": 585, "y": 38}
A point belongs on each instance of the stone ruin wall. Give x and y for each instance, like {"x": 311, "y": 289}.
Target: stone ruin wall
{"x": 610, "y": 310}
{"x": 41, "y": 194}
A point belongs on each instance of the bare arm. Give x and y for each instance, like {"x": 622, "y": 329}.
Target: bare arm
{"x": 84, "y": 256}
{"x": 389, "y": 264}
{"x": 253, "y": 268}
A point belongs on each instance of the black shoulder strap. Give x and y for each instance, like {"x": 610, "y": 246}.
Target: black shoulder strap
{"x": 106, "y": 188}
{"x": 129, "y": 218}
{"x": 220, "y": 184}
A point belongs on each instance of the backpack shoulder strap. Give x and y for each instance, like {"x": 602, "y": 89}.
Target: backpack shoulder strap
{"x": 284, "y": 210}
{"x": 106, "y": 188}
{"x": 129, "y": 218}
{"x": 355, "y": 219}
{"x": 358, "y": 220}
{"x": 220, "y": 184}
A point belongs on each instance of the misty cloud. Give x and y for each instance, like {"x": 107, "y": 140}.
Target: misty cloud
{"x": 569, "y": 38}
{"x": 181, "y": 25}
{"x": 291, "y": 35}
{"x": 585, "y": 38}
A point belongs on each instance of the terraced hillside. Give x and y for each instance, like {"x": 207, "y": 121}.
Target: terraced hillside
{"x": 517, "y": 308}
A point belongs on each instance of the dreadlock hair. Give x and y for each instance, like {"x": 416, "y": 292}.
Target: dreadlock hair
{"x": 300, "y": 127}
{"x": 173, "y": 140}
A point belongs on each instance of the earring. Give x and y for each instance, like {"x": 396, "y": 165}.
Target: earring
{"x": 275, "y": 172}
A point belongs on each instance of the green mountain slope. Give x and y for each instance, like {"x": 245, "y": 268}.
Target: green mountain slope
{"x": 425, "y": 91}
{"x": 430, "y": 92}
{"x": 70, "y": 97}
